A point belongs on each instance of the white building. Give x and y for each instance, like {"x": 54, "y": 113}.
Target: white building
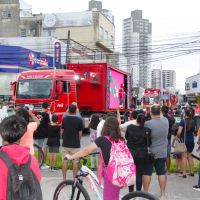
{"x": 192, "y": 88}
{"x": 136, "y": 47}
{"x": 168, "y": 79}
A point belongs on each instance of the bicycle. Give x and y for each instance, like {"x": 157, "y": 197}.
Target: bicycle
{"x": 74, "y": 189}
{"x": 39, "y": 154}
{"x": 139, "y": 194}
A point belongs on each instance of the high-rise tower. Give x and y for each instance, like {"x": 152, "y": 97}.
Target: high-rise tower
{"x": 136, "y": 48}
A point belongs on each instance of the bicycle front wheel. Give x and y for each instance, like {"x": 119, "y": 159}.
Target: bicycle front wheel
{"x": 66, "y": 190}
{"x": 139, "y": 196}
{"x": 39, "y": 154}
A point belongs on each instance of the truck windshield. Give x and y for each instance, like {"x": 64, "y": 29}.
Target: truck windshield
{"x": 34, "y": 88}
{"x": 151, "y": 100}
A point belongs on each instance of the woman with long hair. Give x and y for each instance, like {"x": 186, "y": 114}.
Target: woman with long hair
{"x": 137, "y": 143}
{"x": 94, "y": 121}
{"x": 188, "y": 138}
{"x": 110, "y": 129}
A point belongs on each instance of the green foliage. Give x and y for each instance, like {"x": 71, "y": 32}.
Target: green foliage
{"x": 59, "y": 161}
{"x": 172, "y": 168}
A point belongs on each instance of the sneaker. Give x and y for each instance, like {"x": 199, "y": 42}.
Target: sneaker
{"x": 191, "y": 174}
{"x": 54, "y": 169}
{"x": 44, "y": 166}
{"x": 196, "y": 187}
{"x": 50, "y": 169}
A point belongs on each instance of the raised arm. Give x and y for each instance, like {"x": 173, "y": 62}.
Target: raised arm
{"x": 83, "y": 152}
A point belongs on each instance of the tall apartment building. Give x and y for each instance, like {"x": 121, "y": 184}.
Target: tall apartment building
{"x": 136, "y": 47}
{"x": 168, "y": 79}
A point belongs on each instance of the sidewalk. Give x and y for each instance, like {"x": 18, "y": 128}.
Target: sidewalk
{"x": 177, "y": 187}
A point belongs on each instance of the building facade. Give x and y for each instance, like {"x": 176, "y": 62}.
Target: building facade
{"x": 168, "y": 79}
{"x": 9, "y": 18}
{"x": 92, "y": 32}
{"x": 192, "y": 88}
{"x": 17, "y": 20}
{"x": 136, "y": 47}
{"x": 97, "y": 31}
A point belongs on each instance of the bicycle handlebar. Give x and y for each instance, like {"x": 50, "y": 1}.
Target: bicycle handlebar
{"x": 84, "y": 158}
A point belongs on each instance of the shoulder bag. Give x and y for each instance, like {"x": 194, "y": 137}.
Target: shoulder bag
{"x": 179, "y": 146}
{"x": 150, "y": 157}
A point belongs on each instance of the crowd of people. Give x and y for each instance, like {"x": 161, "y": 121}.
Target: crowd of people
{"x": 149, "y": 137}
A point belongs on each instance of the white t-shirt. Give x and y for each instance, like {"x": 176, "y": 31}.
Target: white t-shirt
{"x": 3, "y": 115}
{"x": 126, "y": 124}
{"x": 100, "y": 127}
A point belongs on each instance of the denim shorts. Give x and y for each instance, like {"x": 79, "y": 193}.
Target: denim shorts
{"x": 159, "y": 166}
{"x": 42, "y": 142}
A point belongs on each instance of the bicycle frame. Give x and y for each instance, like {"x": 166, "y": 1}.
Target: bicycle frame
{"x": 92, "y": 180}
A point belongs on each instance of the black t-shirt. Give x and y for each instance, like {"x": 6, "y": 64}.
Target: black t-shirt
{"x": 105, "y": 146}
{"x": 137, "y": 140}
{"x": 171, "y": 121}
{"x": 53, "y": 135}
{"x": 71, "y": 125}
{"x": 42, "y": 130}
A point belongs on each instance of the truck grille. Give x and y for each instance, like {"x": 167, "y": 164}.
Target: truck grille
{"x": 36, "y": 106}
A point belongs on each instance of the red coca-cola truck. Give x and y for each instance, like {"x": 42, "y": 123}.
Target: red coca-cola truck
{"x": 94, "y": 86}
{"x": 155, "y": 96}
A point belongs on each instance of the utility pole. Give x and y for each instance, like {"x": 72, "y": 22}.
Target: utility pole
{"x": 161, "y": 86}
{"x": 68, "y": 60}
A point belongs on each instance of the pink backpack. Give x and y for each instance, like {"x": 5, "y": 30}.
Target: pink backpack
{"x": 121, "y": 170}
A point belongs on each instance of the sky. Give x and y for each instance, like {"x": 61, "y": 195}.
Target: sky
{"x": 173, "y": 21}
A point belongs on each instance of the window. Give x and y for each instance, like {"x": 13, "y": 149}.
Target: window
{"x": 34, "y": 88}
{"x": 112, "y": 39}
{"x": 49, "y": 33}
{"x": 101, "y": 33}
{"x": 23, "y": 32}
{"x": 106, "y": 35}
{"x": 66, "y": 86}
{"x": 6, "y": 14}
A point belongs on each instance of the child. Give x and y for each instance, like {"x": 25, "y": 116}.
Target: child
{"x": 176, "y": 156}
{"x": 53, "y": 141}
{"x": 41, "y": 132}
{"x": 197, "y": 187}
{"x": 32, "y": 124}
{"x": 12, "y": 129}
{"x": 93, "y": 135}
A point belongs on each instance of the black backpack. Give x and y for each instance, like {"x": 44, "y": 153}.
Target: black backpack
{"x": 22, "y": 183}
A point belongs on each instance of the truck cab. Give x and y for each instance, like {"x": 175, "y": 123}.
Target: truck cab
{"x": 57, "y": 87}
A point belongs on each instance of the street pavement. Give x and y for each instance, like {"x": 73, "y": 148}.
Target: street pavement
{"x": 178, "y": 188}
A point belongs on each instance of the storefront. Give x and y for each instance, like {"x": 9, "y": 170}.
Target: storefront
{"x": 192, "y": 89}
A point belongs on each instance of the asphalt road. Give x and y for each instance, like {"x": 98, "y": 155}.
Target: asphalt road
{"x": 177, "y": 187}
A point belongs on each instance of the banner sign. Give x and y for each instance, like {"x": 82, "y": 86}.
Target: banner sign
{"x": 21, "y": 57}
{"x": 57, "y": 54}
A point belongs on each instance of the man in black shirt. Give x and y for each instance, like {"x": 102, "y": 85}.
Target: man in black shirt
{"x": 171, "y": 121}
{"x": 72, "y": 127}
{"x": 42, "y": 131}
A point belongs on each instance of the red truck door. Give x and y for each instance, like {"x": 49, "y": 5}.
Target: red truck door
{"x": 66, "y": 94}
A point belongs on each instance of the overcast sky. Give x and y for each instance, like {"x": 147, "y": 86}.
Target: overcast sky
{"x": 171, "y": 19}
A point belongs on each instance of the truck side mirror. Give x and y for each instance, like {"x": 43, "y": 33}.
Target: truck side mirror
{"x": 59, "y": 87}
{"x": 13, "y": 87}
